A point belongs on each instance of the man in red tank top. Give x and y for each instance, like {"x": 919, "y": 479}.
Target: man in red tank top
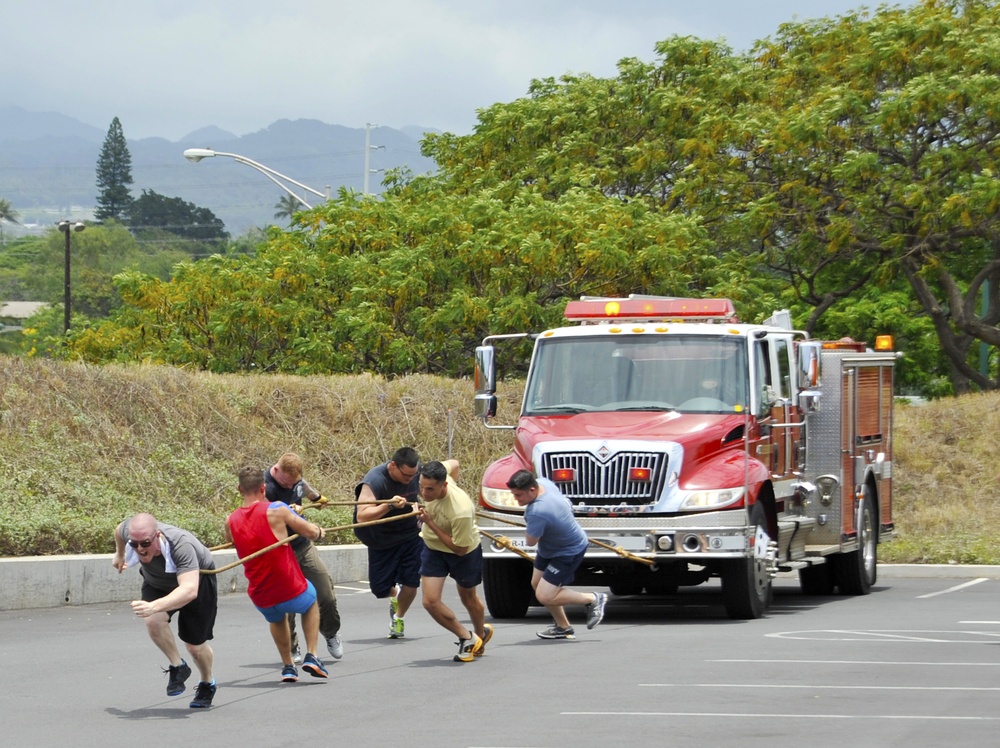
{"x": 276, "y": 584}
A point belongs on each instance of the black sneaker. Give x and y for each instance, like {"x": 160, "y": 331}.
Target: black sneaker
{"x": 557, "y": 632}
{"x": 203, "y": 695}
{"x": 178, "y": 674}
{"x": 595, "y": 611}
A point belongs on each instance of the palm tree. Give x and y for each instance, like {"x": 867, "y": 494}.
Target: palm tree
{"x": 287, "y": 206}
{"x": 7, "y": 213}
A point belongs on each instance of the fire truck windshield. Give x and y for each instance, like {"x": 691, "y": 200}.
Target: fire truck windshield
{"x": 687, "y": 373}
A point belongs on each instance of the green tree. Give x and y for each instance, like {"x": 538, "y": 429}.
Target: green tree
{"x": 287, "y": 206}
{"x": 114, "y": 175}
{"x": 174, "y": 215}
{"x": 7, "y": 213}
{"x": 872, "y": 150}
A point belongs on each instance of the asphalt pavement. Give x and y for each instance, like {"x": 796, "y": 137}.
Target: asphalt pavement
{"x": 916, "y": 664}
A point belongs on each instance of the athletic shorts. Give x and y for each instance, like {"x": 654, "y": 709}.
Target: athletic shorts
{"x": 298, "y": 604}
{"x": 559, "y": 570}
{"x": 466, "y": 570}
{"x": 196, "y": 620}
{"x": 399, "y": 564}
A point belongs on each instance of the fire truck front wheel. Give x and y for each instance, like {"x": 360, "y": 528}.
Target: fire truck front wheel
{"x": 746, "y": 584}
{"x": 507, "y": 587}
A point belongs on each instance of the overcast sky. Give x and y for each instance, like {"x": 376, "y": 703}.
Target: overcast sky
{"x": 168, "y": 67}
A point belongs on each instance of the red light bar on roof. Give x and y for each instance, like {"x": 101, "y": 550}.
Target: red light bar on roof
{"x": 650, "y": 308}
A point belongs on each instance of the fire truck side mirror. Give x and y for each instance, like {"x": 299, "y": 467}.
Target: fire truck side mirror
{"x": 486, "y": 382}
{"x": 486, "y": 373}
{"x": 810, "y": 371}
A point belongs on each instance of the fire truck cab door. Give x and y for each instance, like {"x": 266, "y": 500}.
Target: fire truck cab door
{"x": 776, "y": 407}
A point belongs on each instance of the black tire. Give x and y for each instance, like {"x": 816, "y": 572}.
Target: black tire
{"x": 627, "y": 586}
{"x": 856, "y": 572}
{"x": 746, "y": 585}
{"x": 507, "y": 587}
{"x": 817, "y": 580}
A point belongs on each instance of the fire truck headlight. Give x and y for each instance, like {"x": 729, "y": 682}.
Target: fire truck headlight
{"x": 501, "y": 498}
{"x": 712, "y": 499}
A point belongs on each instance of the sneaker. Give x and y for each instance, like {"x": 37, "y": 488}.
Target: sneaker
{"x": 296, "y": 654}
{"x": 178, "y": 674}
{"x": 203, "y": 695}
{"x": 396, "y": 628}
{"x": 289, "y": 674}
{"x": 312, "y": 665}
{"x": 468, "y": 649}
{"x": 557, "y": 632}
{"x": 487, "y": 635}
{"x": 335, "y": 647}
{"x": 595, "y": 611}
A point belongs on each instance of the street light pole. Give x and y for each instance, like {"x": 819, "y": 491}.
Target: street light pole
{"x": 66, "y": 226}
{"x": 194, "y": 155}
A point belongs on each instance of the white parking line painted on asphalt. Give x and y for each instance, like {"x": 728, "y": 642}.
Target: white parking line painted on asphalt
{"x": 879, "y": 663}
{"x": 905, "y": 636}
{"x": 956, "y": 588}
{"x": 758, "y": 715}
{"x": 819, "y": 688}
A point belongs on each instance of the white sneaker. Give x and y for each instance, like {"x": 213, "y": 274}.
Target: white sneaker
{"x": 335, "y": 647}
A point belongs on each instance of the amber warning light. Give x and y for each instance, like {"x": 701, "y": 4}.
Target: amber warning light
{"x": 563, "y": 475}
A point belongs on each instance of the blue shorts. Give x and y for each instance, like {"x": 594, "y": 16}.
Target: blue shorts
{"x": 298, "y": 604}
{"x": 559, "y": 570}
{"x": 466, "y": 570}
{"x": 399, "y": 564}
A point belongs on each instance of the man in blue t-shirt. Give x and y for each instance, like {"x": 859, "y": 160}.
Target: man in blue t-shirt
{"x": 561, "y": 544}
{"x": 390, "y": 491}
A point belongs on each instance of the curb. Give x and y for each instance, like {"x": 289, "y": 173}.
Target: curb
{"x": 87, "y": 579}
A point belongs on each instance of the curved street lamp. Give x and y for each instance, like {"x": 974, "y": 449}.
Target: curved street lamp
{"x": 195, "y": 155}
{"x": 66, "y": 226}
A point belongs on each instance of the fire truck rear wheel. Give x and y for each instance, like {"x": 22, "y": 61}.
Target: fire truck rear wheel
{"x": 856, "y": 571}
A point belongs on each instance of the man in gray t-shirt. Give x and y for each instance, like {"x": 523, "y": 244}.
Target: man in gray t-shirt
{"x": 171, "y": 561}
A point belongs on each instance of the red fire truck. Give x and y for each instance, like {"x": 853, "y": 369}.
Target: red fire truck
{"x": 692, "y": 446}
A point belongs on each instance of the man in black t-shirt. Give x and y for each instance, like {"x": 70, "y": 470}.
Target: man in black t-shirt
{"x": 283, "y": 482}
{"x": 394, "y": 547}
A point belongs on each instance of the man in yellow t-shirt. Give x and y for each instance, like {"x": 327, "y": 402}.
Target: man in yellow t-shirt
{"x": 451, "y": 549}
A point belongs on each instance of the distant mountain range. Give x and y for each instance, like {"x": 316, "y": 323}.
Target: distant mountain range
{"x": 48, "y": 165}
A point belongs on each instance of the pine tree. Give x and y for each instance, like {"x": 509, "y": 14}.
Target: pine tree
{"x": 114, "y": 175}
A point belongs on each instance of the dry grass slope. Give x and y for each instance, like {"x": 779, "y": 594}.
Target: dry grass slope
{"x": 82, "y": 447}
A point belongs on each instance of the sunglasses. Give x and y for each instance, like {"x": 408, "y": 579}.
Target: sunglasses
{"x": 141, "y": 543}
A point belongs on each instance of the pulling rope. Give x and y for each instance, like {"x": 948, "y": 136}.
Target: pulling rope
{"x": 505, "y": 542}
{"x": 290, "y": 538}
{"x": 615, "y": 548}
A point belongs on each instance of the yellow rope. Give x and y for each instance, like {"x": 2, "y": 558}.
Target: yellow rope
{"x": 290, "y": 538}
{"x": 616, "y": 548}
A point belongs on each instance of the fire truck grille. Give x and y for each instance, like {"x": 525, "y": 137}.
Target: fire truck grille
{"x": 608, "y": 483}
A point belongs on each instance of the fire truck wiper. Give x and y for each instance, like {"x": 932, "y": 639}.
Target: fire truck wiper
{"x": 567, "y": 408}
{"x": 649, "y": 406}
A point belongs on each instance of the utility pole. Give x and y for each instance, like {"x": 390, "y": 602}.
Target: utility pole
{"x": 368, "y": 149}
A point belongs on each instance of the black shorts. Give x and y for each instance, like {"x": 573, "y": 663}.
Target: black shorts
{"x": 559, "y": 570}
{"x": 196, "y": 620}
{"x": 466, "y": 570}
{"x": 399, "y": 564}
